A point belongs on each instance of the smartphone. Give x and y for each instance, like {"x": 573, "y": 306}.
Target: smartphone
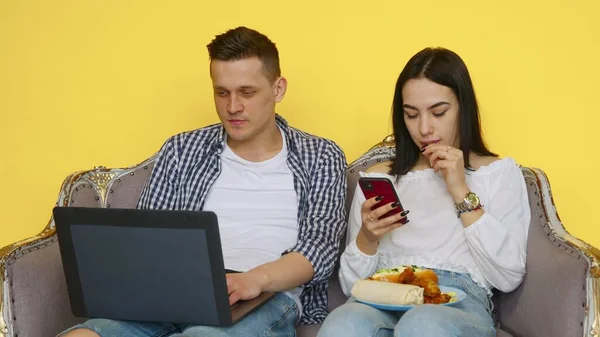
{"x": 375, "y": 187}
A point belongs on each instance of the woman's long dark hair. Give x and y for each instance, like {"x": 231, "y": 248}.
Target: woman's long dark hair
{"x": 446, "y": 68}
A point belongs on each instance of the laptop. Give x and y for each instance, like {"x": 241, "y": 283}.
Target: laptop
{"x": 146, "y": 265}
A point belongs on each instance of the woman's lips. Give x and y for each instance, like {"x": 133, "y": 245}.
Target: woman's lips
{"x": 425, "y": 144}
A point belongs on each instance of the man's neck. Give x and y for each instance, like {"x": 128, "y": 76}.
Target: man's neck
{"x": 264, "y": 147}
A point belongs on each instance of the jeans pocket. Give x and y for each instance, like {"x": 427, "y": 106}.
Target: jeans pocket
{"x": 285, "y": 313}
{"x": 479, "y": 294}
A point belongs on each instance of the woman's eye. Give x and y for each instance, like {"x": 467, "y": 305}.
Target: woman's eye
{"x": 440, "y": 114}
{"x": 409, "y": 116}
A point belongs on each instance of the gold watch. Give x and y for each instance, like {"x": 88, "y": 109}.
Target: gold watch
{"x": 470, "y": 203}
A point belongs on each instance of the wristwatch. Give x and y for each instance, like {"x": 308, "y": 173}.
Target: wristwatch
{"x": 470, "y": 203}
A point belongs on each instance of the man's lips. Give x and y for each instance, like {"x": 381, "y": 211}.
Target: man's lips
{"x": 236, "y": 121}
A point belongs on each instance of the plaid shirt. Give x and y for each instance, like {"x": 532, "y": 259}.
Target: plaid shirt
{"x": 189, "y": 163}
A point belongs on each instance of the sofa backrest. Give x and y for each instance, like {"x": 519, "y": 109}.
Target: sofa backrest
{"x": 102, "y": 187}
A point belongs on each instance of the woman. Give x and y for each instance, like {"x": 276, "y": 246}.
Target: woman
{"x": 468, "y": 211}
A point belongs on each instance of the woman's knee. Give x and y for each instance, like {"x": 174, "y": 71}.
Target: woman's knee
{"x": 425, "y": 320}
{"x": 438, "y": 320}
{"x": 357, "y": 319}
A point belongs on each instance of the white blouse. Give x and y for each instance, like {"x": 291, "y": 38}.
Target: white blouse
{"x": 492, "y": 250}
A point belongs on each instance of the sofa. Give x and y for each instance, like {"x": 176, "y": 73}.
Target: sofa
{"x": 559, "y": 296}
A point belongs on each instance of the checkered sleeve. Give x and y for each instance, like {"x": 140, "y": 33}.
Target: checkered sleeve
{"x": 322, "y": 227}
{"x": 160, "y": 190}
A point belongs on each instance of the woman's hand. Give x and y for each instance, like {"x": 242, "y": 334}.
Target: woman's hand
{"x": 373, "y": 228}
{"x": 450, "y": 162}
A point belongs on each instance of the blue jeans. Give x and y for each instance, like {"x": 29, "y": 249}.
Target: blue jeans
{"x": 277, "y": 317}
{"x": 469, "y": 318}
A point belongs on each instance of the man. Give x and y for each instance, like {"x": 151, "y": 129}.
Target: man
{"x": 279, "y": 194}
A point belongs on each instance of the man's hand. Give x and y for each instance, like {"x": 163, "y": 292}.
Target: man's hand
{"x": 287, "y": 272}
{"x": 245, "y": 286}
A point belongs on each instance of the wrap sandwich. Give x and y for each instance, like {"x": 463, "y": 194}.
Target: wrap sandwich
{"x": 387, "y": 293}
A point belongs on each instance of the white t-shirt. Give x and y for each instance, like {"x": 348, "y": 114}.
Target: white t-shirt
{"x": 257, "y": 207}
{"x": 492, "y": 249}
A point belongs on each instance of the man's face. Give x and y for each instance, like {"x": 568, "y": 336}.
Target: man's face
{"x": 245, "y": 97}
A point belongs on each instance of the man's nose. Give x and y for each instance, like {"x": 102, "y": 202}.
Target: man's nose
{"x": 234, "y": 105}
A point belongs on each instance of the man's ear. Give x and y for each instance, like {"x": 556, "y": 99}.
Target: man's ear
{"x": 280, "y": 88}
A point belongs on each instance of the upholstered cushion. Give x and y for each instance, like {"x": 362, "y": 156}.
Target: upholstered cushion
{"x": 553, "y": 291}
{"x": 126, "y": 190}
{"x": 502, "y": 333}
{"x": 309, "y": 330}
{"x": 39, "y": 292}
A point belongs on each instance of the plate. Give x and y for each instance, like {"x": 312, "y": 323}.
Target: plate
{"x": 457, "y": 295}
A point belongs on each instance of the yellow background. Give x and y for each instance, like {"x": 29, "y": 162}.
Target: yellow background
{"x": 86, "y": 83}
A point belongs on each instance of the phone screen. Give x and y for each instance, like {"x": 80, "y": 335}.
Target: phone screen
{"x": 375, "y": 187}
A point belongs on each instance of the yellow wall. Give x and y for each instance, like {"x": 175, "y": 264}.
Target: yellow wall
{"x": 86, "y": 83}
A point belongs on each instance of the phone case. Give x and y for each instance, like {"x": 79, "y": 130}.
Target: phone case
{"x": 374, "y": 187}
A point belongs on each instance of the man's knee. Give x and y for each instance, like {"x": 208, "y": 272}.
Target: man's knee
{"x": 80, "y": 333}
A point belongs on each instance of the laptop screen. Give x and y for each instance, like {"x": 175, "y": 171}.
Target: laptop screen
{"x": 129, "y": 270}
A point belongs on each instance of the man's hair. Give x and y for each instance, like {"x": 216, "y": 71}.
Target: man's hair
{"x": 240, "y": 43}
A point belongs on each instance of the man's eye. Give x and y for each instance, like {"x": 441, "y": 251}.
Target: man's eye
{"x": 222, "y": 93}
{"x": 248, "y": 93}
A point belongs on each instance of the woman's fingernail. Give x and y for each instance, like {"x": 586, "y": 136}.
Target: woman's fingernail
{"x": 407, "y": 221}
{"x": 378, "y": 198}
{"x": 396, "y": 204}
{"x": 404, "y": 213}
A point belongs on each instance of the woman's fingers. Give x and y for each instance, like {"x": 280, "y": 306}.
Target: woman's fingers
{"x": 368, "y": 204}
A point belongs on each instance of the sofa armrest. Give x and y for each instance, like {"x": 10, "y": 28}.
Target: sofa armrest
{"x": 559, "y": 294}
{"x": 34, "y": 299}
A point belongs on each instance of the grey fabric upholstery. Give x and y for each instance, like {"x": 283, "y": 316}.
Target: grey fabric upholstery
{"x": 309, "y": 330}
{"x": 126, "y": 190}
{"x": 335, "y": 295}
{"x": 502, "y": 333}
{"x": 554, "y": 284}
{"x": 38, "y": 289}
{"x": 84, "y": 195}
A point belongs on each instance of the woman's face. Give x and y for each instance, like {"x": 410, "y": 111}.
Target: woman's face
{"x": 430, "y": 113}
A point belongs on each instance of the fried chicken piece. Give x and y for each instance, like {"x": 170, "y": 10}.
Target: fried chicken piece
{"x": 431, "y": 288}
{"x": 407, "y": 276}
{"x": 443, "y": 298}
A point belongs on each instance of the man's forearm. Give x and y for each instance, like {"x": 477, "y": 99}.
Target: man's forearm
{"x": 289, "y": 271}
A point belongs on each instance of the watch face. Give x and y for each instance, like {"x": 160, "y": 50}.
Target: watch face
{"x": 472, "y": 199}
